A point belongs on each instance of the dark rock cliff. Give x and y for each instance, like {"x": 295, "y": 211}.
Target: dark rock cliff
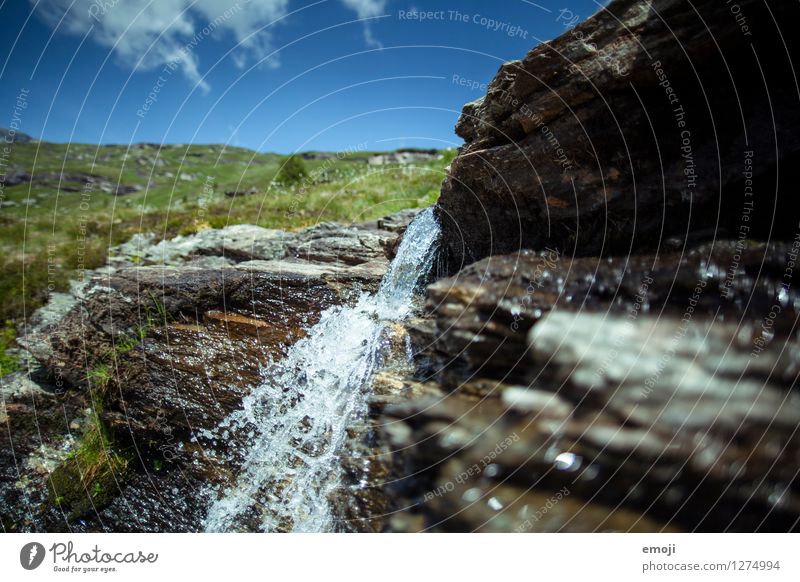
{"x": 633, "y": 126}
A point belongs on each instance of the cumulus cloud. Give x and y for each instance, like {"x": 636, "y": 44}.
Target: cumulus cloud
{"x": 148, "y": 34}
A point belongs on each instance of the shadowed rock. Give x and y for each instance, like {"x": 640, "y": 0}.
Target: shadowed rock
{"x": 641, "y": 424}
{"x": 652, "y": 392}
{"x": 643, "y": 122}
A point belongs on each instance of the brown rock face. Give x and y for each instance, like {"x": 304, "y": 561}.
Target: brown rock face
{"x": 640, "y": 393}
{"x": 483, "y": 314}
{"x": 650, "y": 119}
{"x": 168, "y": 344}
{"x": 618, "y": 348}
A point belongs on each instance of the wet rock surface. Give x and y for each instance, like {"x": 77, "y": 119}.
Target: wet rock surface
{"x": 41, "y": 425}
{"x": 173, "y": 334}
{"x": 483, "y": 314}
{"x": 616, "y": 349}
{"x": 584, "y": 394}
{"x": 630, "y": 127}
{"x": 500, "y": 476}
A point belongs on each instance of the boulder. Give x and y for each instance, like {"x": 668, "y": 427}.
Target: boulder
{"x": 650, "y": 119}
{"x": 642, "y": 393}
{"x": 643, "y": 424}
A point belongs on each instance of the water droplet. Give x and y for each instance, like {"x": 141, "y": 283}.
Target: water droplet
{"x": 472, "y": 495}
{"x": 783, "y": 296}
{"x": 492, "y": 470}
{"x": 567, "y": 462}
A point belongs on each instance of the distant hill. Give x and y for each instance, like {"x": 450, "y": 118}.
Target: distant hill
{"x": 10, "y": 136}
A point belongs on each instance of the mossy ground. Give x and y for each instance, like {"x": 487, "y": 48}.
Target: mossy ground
{"x": 89, "y": 478}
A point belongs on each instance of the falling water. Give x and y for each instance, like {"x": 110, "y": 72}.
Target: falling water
{"x": 300, "y": 414}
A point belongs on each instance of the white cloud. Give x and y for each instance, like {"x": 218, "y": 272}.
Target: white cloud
{"x": 367, "y": 9}
{"x": 147, "y": 34}
{"x": 246, "y": 24}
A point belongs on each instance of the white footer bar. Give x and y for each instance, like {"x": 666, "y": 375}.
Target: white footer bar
{"x": 389, "y": 557}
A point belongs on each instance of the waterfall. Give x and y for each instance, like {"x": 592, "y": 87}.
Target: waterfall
{"x": 297, "y": 419}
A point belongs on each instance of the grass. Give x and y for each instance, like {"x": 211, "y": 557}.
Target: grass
{"x": 90, "y": 476}
{"x": 8, "y": 362}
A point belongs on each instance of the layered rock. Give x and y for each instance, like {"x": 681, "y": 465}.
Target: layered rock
{"x": 482, "y": 315}
{"x": 648, "y": 120}
{"x": 162, "y": 345}
{"x": 617, "y": 347}
{"x": 642, "y": 394}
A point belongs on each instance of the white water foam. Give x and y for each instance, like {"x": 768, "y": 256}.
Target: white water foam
{"x": 300, "y": 414}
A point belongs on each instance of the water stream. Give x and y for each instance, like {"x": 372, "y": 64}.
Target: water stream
{"x": 296, "y": 421}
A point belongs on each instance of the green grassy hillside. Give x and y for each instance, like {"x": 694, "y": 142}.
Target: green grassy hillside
{"x": 64, "y": 205}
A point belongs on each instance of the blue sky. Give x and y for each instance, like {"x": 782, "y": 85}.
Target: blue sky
{"x": 272, "y": 75}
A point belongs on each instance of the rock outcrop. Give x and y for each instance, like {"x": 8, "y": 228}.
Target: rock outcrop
{"x": 483, "y": 314}
{"x": 644, "y": 393}
{"x": 617, "y": 348}
{"x": 649, "y": 120}
{"x": 162, "y": 345}
{"x": 70, "y": 182}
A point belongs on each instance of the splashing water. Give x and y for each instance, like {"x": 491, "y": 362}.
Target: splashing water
{"x": 300, "y": 414}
